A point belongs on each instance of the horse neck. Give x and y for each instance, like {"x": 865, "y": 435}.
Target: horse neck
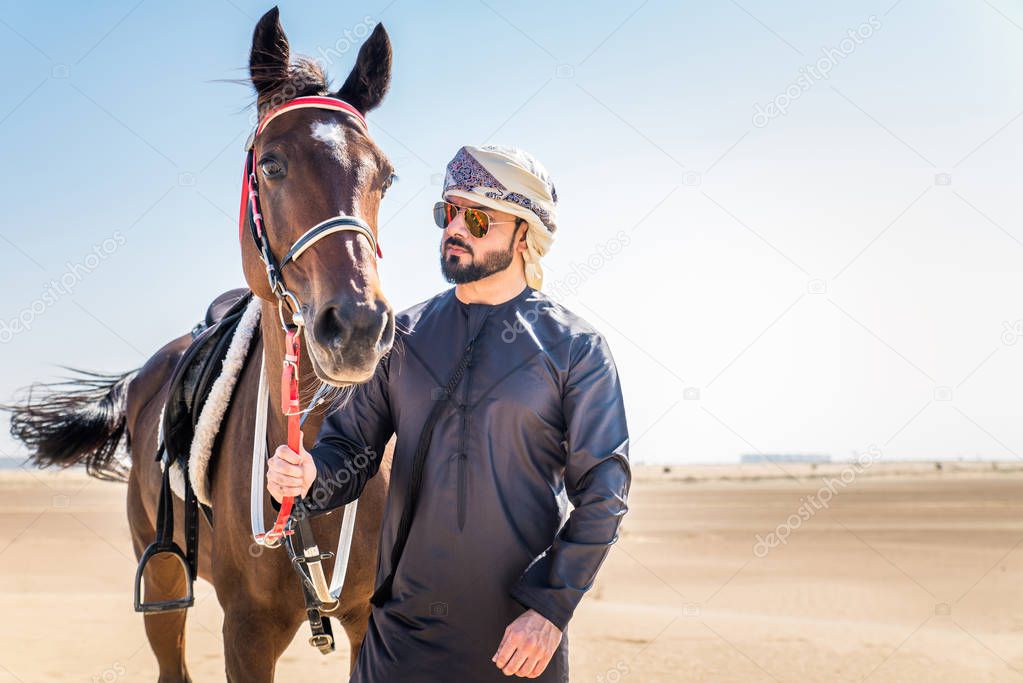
{"x": 273, "y": 356}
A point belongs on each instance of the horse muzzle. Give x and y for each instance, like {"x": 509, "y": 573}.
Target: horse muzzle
{"x": 349, "y": 339}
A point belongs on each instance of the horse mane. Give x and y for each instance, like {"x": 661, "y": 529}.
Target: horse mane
{"x": 305, "y": 78}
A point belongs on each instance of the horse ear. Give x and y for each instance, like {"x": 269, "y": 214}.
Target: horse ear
{"x": 270, "y": 56}
{"x": 367, "y": 84}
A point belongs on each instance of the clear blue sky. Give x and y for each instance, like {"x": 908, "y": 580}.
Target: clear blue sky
{"x": 840, "y": 275}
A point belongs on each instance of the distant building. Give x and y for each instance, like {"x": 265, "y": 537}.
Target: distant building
{"x": 750, "y": 458}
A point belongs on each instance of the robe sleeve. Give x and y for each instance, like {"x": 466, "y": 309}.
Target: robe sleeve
{"x": 597, "y": 480}
{"x": 350, "y": 445}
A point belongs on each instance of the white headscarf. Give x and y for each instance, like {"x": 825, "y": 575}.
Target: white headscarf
{"x": 510, "y": 180}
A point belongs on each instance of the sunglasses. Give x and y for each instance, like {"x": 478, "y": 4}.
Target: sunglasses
{"x": 476, "y": 220}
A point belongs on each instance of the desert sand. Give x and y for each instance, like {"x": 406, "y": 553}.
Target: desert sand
{"x": 906, "y": 572}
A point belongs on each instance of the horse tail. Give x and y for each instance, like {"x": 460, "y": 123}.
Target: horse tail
{"x": 77, "y": 420}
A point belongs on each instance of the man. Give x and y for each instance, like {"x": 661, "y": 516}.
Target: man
{"x": 506, "y": 406}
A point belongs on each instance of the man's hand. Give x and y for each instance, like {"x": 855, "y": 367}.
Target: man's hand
{"x": 528, "y": 645}
{"x": 289, "y": 473}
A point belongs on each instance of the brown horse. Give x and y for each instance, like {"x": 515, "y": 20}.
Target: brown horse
{"x": 304, "y": 179}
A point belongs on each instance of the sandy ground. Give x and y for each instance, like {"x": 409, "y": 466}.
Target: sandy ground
{"x": 900, "y": 573}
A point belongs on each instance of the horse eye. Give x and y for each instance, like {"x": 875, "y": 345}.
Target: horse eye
{"x": 271, "y": 167}
{"x": 391, "y": 179}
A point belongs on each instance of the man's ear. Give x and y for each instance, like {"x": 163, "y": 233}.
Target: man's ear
{"x": 520, "y": 243}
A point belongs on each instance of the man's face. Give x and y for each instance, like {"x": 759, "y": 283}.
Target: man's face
{"x": 464, "y": 258}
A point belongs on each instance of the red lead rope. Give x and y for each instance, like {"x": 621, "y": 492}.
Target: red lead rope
{"x": 289, "y": 405}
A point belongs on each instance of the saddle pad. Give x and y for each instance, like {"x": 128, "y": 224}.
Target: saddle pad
{"x": 201, "y": 389}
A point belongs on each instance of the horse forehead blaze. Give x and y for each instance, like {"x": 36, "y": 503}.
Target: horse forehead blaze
{"x": 330, "y": 133}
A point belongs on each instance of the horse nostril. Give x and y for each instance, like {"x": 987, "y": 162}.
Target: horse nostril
{"x": 330, "y": 326}
{"x": 359, "y": 328}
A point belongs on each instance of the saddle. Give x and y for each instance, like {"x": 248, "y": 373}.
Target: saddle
{"x": 196, "y": 372}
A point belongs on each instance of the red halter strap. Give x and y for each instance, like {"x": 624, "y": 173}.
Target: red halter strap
{"x": 331, "y": 103}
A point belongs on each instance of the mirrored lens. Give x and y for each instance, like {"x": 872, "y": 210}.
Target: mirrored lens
{"x": 477, "y": 222}
{"x": 442, "y": 215}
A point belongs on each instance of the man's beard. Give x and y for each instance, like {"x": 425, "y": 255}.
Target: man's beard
{"x": 494, "y": 262}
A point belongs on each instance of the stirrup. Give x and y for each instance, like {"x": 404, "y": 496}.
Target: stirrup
{"x": 163, "y": 605}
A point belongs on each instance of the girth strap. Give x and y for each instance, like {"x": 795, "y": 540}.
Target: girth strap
{"x": 191, "y": 529}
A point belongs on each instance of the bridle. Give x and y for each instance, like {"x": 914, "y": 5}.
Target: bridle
{"x": 251, "y": 214}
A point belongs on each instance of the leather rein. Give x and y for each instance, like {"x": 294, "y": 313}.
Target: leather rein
{"x": 251, "y": 214}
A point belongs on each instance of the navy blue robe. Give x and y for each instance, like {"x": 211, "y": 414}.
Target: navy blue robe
{"x": 537, "y": 421}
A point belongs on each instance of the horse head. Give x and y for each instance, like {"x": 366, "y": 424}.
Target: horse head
{"x": 312, "y": 166}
